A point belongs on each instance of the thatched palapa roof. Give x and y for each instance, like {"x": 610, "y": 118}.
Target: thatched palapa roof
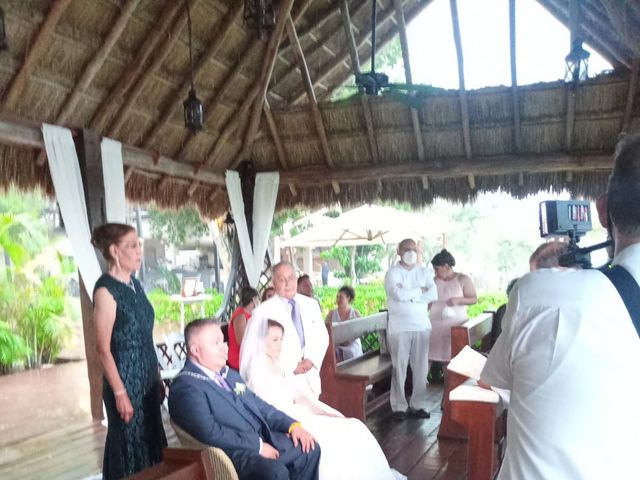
{"x": 121, "y": 68}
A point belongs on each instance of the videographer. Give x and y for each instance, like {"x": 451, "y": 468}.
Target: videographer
{"x": 570, "y": 355}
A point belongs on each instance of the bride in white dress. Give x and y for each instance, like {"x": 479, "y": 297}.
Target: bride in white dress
{"x": 349, "y": 450}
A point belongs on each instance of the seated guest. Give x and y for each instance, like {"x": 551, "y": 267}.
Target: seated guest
{"x": 268, "y": 293}
{"x": 212, "y": 404}
{"x": 344, "y": 298}
{"x": 305, "y": 287}
{"x": 238, "y": 324}
{"x": 349, "y": 451}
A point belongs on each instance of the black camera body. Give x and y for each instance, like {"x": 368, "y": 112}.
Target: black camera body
{"x": 573, "y": 219}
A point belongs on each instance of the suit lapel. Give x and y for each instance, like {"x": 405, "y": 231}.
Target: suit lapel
{"x": 231, "y": 398}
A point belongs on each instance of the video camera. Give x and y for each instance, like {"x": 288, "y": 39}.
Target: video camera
{"x": 573, "y": 219}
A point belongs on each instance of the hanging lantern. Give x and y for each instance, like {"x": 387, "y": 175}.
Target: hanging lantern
{"x": 577, "y": 63}
{"x": 260, "y": 15}
{"x": 3, "y": 32}
{"x": 193, "y": 110}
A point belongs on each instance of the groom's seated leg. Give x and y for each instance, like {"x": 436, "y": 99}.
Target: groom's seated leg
{"x": 252, "y": 466}
{"x": 303, "y": 466}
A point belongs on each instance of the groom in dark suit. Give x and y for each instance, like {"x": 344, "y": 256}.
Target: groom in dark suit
{"x": 212, "y": 404}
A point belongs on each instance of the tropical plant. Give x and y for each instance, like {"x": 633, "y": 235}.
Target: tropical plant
{"x": 357, "y": 261}
{"x": 13, "y": 350}
{"x": 176, "y": 227}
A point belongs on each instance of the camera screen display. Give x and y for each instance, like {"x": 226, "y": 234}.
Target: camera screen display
{"x": 559, "y": 217}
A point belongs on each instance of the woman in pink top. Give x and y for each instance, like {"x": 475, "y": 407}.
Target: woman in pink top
{"x": 455, "y": 292}
{"x": 249, "y": 299}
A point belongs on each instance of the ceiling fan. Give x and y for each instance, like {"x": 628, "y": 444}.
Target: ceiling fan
{"x": 374, "y": 83}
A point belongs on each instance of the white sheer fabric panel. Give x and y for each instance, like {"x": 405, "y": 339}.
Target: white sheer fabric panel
{"x": 264, "y": 200}
{"x": 65, "y": 173}
{"x": 113, "y": 176}
{"x": 264, "y": 204}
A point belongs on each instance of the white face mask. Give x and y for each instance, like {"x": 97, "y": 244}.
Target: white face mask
{"x": 410, "y": 257}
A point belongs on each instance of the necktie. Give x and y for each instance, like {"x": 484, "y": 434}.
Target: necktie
{"x": 221, "y": 381}
{"x": 297, "y": 321}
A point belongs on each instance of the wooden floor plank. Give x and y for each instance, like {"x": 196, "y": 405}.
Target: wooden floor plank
{"x": 74, "y": 451}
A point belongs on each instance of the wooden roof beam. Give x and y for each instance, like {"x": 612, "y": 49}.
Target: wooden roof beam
{"x": 275, "y": 135}
{"x": 26, "y": 134}
{"x": 163, "y": 52}
{"x": 265, "y": 75}
{"x": 355, "y": 65}
{"x": 464, "y": 107}
{"x": 517, "y": 134}
{"x": 572, "y": 87}
{"x": 178, "y": 96}
{"x": 451, "y": 167}
{"x": 211, "y": 107}
{"x": 318, "y": 45}
{"x": 631, "y": 95}
{"x": 308, "y": 86}
{"x": 404, "y": 44}
{"x": 328, "y": 68}
{"x": 109, "y": 104}
{"x": 39, "y": 46}
{"x": 97, "y": 60}
{"x": 594, "y": 33}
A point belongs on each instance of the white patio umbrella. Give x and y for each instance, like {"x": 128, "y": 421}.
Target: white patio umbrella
{"x": 366, "y": 225}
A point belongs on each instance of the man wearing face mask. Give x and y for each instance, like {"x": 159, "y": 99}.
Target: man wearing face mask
{"x": 410, "y": 288}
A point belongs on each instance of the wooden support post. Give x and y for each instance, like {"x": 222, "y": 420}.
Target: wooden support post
{"x": 464, "y": 108}
{"x": 90, "y": 161}
{"x": 517, "y": 134}
{"x": 404, "y": 44}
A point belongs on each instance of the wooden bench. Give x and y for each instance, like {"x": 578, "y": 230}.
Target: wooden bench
{"x": 477, "y": 409}
{"x": 344, "y": 384}
{"x": 180, "y": 464}
{"x": 473, "y": 331}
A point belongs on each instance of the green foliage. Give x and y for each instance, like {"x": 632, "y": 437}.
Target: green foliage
{"x": 489, "y": 302}
{"x": 13, "y": 350}
{"x": 168, "y": 311}
{"x": 67, "y": 264}
{"x": 281, "y": 218}
{"x": 175, "y": 227}
{"x": 367, "y": 258}
{"x": 35, "y": 313}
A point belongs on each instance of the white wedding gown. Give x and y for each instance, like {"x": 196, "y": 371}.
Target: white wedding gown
{"x": 349, "y": 450}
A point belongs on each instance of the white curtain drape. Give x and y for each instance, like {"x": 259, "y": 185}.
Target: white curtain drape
{"x": 65, "y": 173}
{"x": 113, "y": 176}
{"x": 264, "y": 202}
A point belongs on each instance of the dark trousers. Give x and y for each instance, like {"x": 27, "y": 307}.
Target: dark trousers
{"x": 292, "y": 464}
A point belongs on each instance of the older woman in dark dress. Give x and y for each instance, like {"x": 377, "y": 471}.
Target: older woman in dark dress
{"x": 132, "y": 389}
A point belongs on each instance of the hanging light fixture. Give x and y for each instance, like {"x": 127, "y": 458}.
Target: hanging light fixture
{"x": 193, "y": 111}
{"x": 577, "y": 63}
{"x": 260, "y": 15}
{"x": 3, "y": 32}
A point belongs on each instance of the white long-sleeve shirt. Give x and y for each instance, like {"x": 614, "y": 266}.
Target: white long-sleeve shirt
{"x": 408, "y": 306}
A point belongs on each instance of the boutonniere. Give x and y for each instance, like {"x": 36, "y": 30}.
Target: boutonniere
{"x": 239, "y": 389}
